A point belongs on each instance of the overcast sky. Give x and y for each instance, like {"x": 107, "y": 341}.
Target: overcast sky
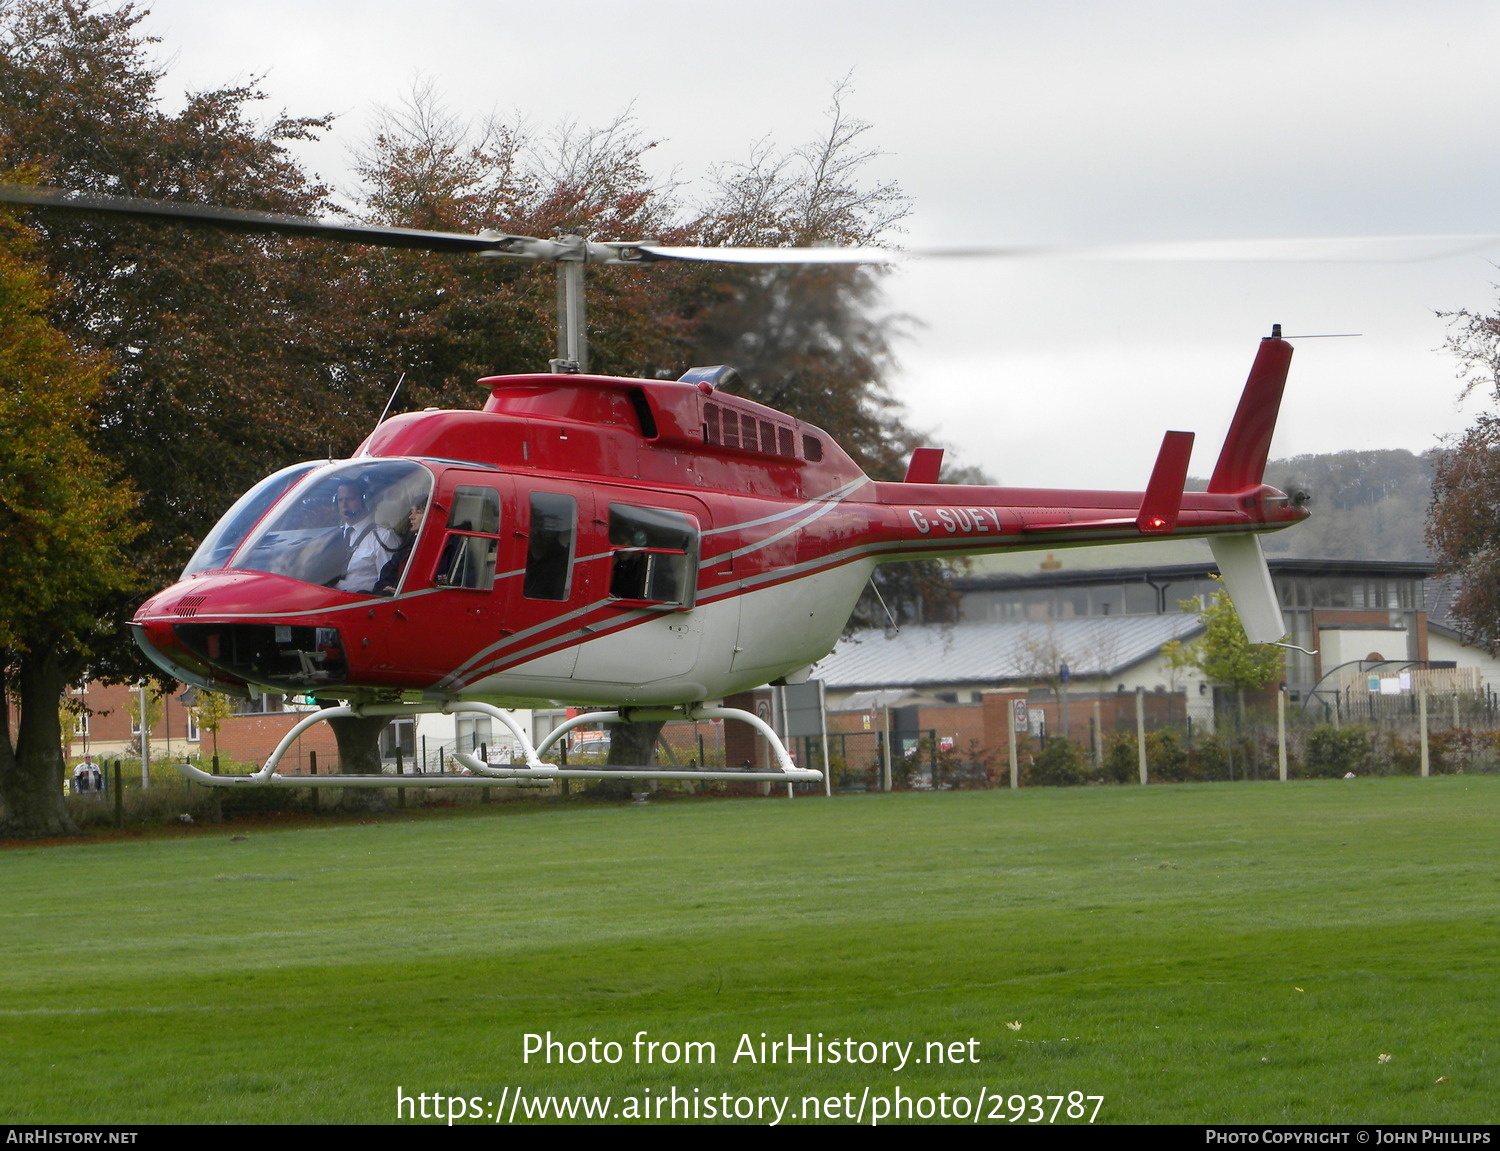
{"x": 1007, "y": 122}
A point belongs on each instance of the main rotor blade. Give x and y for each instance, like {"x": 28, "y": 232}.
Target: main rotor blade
{"x": 1312, "y": 249}
{"x": 771, "y": 255}
{"x": 1334, "y": 249}
{"x": 240, "y": 220}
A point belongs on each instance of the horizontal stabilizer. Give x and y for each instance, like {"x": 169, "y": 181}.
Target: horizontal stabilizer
{"x": 926, "y": 464}
{"x": 1243, "y": 566}
{"x": 1163, "y": 498}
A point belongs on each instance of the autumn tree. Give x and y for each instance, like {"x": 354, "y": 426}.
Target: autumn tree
{"x": 228, "y": 354}
{"x": 1463, "y": 528}
{"x": 222, "y": 390}
{"x": 450, "y": 320}
{"x": 809, "y": 340}
{"x": 1463, "y": 524}
{"x": 66, "y": 528}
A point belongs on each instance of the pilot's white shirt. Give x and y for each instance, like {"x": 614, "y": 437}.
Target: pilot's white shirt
{"x": 369, "y": 555}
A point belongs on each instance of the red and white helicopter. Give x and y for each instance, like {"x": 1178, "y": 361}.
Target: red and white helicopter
{"x": 648, "y": 547}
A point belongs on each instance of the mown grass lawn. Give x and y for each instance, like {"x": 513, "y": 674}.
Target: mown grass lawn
{"x": 1233, "y": 953}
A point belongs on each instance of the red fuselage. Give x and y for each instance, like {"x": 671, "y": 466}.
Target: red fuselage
{"x": 599, "y": 540}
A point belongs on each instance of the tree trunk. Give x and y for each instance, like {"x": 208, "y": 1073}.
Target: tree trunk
{"x": 31, "y": 773}
{"x": 630, "y": 745}
{"x": 359, "y": 754}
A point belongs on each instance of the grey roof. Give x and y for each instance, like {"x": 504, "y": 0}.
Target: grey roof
{"x": 996, "y": 652}
{"x": 1438, "y": 594}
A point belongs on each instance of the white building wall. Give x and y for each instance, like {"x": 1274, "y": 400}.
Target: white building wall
{"x": 1446, "y": 648}
{"x": 1154, "y": 674}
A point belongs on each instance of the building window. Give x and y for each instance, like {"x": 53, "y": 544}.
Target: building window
{"x": 265, "y": 703}
{"x": 400, "y": 734}
{"x": 473, "y": 733}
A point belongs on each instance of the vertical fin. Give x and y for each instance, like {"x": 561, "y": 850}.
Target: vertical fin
{"x": 1243, "y": 566}
{"x": 1242, "y": 460}
{"x": 925, "y": 465}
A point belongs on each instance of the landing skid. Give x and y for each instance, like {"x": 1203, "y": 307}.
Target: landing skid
{"x": 535, "y": 773}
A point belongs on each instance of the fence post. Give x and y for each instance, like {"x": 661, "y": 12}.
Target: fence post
{"x": 1140, "y": 730}
{"x": 119, "y": 799}
{"x": 885, "y": 759}
{"x": 400, "y": 770}
{"x": 1098, "y": 737}
{"x": 312, "y": 769}
{"x": 1281, "y": 730}
{"x": 1422, "y": 723}
{"x": 1015, "y": 770}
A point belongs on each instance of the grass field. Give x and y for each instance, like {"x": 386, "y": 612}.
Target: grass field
{"x": 1230, "y": 953}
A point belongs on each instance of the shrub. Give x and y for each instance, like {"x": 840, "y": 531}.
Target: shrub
{"x": 1166, "y": 758}
{"x": 1390, "y": 754}
{"x": 1059, "y": 764}
{"x": 1121, "y": 764}
{"x": 1331, "y": 752}
{"x": 974, "y": 767}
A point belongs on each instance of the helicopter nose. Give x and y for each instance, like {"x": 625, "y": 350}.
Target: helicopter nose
{"x": 224, "y": 627}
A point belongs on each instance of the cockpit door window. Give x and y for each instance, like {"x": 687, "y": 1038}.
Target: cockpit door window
{"x": 473, "y": 543}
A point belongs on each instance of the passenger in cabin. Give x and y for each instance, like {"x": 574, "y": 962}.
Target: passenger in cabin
{"x": 390, "y": 574}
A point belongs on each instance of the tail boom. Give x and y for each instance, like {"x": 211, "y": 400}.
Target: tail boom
{"x": 930, "y": 519}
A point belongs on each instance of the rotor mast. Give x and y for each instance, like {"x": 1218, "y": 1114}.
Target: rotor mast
{"x": 572, "y": 317}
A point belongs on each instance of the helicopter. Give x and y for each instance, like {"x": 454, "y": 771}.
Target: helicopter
{"x": 643, "y": 548}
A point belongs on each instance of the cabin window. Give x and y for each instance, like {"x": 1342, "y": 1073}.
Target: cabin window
{"x": 812, "y": 449}
{"x": 655, "y": 555}
{"x": 549, "y": 546}
{"x": 468, "y": 559}
{"x": 747, "y": 434}
{"x": 722, "y": 425}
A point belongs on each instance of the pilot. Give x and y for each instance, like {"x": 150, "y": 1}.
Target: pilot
{"x": 369, "y": 546}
